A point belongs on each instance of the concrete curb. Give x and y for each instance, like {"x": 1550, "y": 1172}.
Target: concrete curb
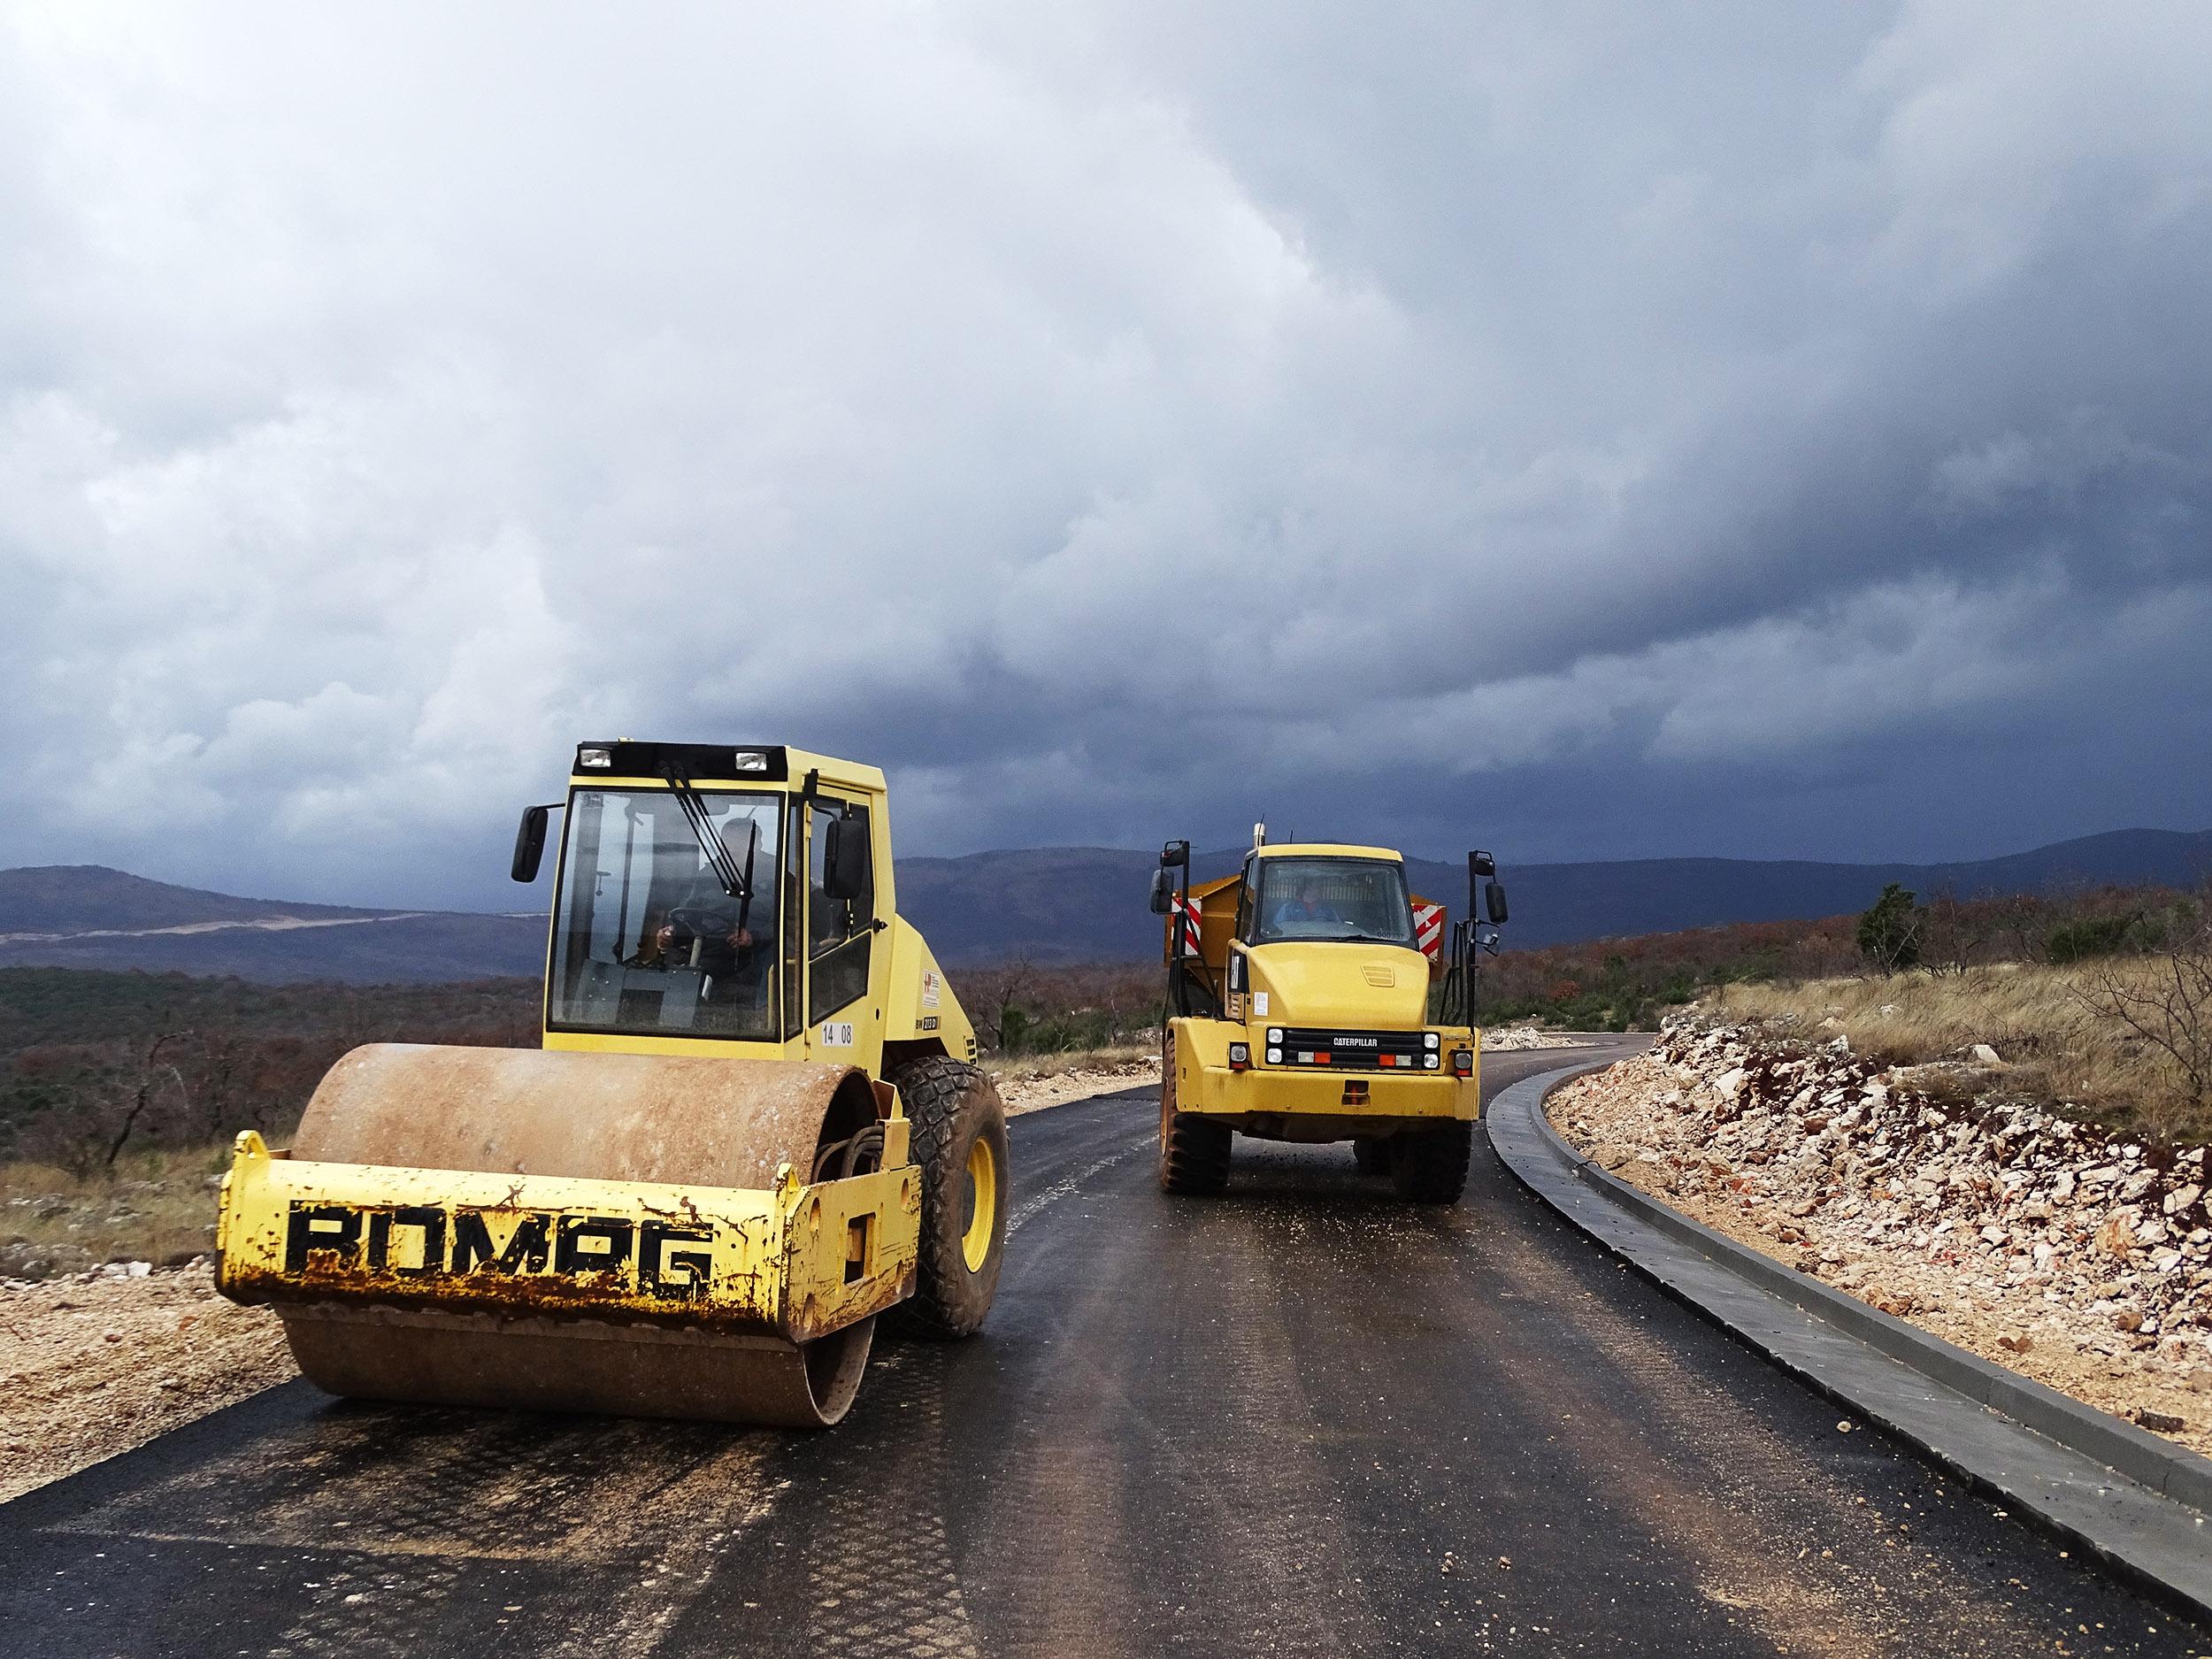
{"x": 2136, "y": 1502}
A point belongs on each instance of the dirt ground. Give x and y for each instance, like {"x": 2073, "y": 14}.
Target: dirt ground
{"x": 93, "y": 1364}
{"x": 2080, "y": 1316}
{"x": 1027, "y": 1090}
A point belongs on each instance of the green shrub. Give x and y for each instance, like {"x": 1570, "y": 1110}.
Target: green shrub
{"x": 2088, "y": 936}
{"x": 1889, "y": 931}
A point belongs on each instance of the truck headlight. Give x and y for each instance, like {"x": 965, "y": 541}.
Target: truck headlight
{"x": 1432, "y": 1062}
{"x": 595, "y": 759}
{"x": 1274, "y": 1035}
{"x": 1239, "y": 1056}
{"x": 748, "y": 760}
{"x": 1274, "y": 1056}
{"x": 1462, "y": 1063}
{"x": 1431, "y": 1040}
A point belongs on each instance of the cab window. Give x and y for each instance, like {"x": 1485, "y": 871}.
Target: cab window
{"x": 840, "y": 932}
{"x": 661, "y": 930}
{"x": 1333, "y": 898}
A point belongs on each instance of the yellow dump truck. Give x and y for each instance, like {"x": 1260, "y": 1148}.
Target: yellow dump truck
{"x": 753, "y": 1126}
{"x": 1299, "y": 1010}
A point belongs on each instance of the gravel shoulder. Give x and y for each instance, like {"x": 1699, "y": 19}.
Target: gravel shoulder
{"x": 2046, "y": 1250}
{"x": 96, "y": 1364}
{"x": 1027, "y": 1090}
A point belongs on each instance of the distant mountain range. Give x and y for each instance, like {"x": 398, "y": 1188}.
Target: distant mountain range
{"x": 1060, "y": 904}
{"x": 1087, "y": 904}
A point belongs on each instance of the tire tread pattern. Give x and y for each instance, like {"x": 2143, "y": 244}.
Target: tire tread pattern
{"x": 949, "y": 1103}
{"x": 1430, "y": 1166}
{"x": 1194, "y": 1151}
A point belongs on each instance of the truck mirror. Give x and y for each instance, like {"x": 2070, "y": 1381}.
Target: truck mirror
{"x": 1481, "y": 864}
{"x": 1175, "y": 856}
{"x": 1493, "y": 903}
{"x": 1162, "y": 893}
{"x": 529, "y": 844}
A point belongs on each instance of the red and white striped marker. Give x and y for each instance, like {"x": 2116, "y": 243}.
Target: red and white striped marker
{"x": 1192, "y": 913}
{"x": 1428, "y": 929}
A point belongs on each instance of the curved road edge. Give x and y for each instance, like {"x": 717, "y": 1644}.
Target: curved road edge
{"x": 2138, "y": 1504}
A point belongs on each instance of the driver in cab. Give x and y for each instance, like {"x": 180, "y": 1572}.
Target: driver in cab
{"x": 1304, "y": 909}
{"x": 702, "y": 931}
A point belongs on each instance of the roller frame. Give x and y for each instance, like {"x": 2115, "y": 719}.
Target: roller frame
{"x": 777, "y": 1257}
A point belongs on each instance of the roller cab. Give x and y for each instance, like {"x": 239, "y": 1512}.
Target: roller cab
{"x": 1313, "y": 998}
{"x": 754, "y": 1126}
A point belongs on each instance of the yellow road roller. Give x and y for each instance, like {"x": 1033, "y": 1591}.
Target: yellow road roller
{"x": 754, "y": 1124}
{"x": 1299, "y": 1002}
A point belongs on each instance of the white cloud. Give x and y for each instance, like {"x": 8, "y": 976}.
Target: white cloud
{"x": 1088, "y": 413}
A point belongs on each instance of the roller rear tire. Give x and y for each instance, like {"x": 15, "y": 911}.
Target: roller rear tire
{"x": 959, "y": 1142}
{"x": 1430, "y": 1166}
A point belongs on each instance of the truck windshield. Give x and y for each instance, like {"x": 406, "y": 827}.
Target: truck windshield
{"x": 1332, "y": 898}
{"x": 646, "y": 936}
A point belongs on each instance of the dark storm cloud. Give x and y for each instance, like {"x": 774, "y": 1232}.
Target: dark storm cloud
{"x": 1593, "y": 430}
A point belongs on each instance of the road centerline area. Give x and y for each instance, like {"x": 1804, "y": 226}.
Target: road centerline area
{"x": 1301, "y": 1417}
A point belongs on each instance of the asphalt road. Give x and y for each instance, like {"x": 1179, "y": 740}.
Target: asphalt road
{"x": 1301, "y": 1418}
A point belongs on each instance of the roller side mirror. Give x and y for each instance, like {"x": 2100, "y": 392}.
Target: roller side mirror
{"x": 845, "y": 860}
{"x": 529, "y": 844}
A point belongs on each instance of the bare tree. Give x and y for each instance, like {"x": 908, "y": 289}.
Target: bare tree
{"x": 2165, "y": 1000}
{"x": 1955, "y": 931}
{"x": 998, "y": 992}
{"x": 2021, "y": 923}
{"x": 142, "y": 1089}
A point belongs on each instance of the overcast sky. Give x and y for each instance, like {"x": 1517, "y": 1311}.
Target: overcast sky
{"x": 1585, "y": 431}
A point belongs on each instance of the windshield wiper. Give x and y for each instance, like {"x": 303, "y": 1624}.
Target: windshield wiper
{"x": 735, "y": 882}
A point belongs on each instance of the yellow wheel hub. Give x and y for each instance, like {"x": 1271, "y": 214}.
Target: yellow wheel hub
{"x": 975, "y": 1240}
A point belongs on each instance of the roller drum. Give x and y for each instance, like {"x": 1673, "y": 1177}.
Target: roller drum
{"x": 668, "y": 1119}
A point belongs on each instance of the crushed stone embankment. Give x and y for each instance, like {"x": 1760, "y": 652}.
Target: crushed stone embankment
{"x": 2081, "y": 1260}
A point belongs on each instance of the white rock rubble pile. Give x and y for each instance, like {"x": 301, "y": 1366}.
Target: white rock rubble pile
{"x": 2081, "y": 1258}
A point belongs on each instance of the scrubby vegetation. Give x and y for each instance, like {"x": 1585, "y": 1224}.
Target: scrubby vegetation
{"x": 1022, "y": 1008}
{"x": 96, "y": 1064}
{"x": 1629, "y": 984}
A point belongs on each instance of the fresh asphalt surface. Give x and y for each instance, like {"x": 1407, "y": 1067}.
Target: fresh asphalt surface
{"x": 1299, "y": 1418}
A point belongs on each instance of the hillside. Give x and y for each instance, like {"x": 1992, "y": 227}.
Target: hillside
{"x": 87, "y": 916}
{"x": 1055, "y": 905}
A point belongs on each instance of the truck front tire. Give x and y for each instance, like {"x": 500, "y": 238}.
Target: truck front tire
{"x": 1429, "y": 1166}
{"x": 1194, "y": 1152}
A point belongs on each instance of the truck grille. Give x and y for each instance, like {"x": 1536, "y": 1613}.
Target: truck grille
{"x": 1354, "y": 1050}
